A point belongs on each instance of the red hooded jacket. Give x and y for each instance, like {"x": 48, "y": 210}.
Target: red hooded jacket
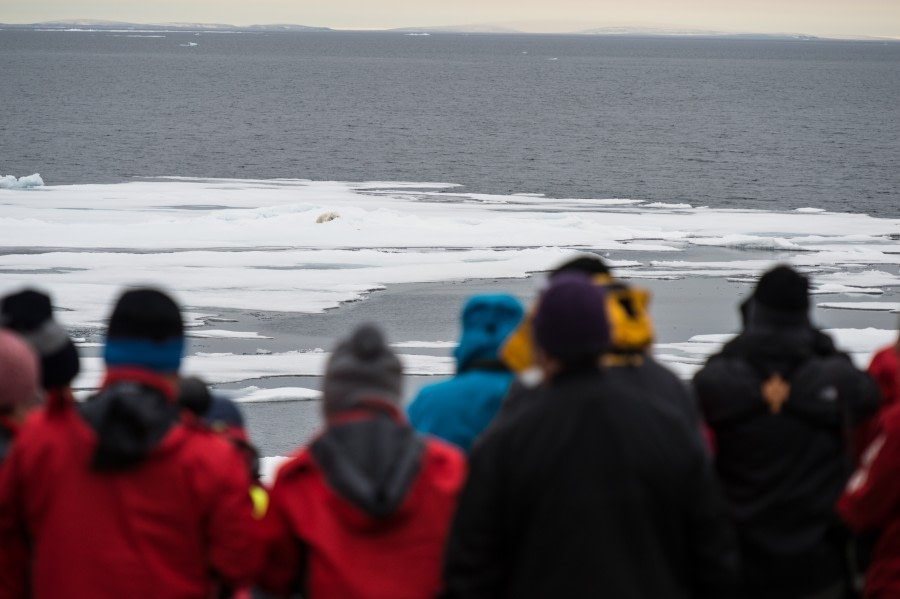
{"x": 170, "y": 526}
{"x": 327, "y": 545}
{"x": 872, "y": 502}
{"x": 885, "y": 369}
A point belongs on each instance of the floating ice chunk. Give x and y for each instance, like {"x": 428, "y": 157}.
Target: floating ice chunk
{"x": 425, "y": 344}
{"x": 10, "y": 182}
{"x": 255, "y": 394}
{"x": 870, "y": 306}
{"x": 833, "y": 288}
{"x": 669, "y": 206}
{"x": 196, "y": 319}
{"x": 220, "y": 334}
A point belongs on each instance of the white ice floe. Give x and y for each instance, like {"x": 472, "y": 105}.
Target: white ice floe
{"x": 254, "y": 245}
{"x": 425, "y": 344}
{"x": 10, "y": 182}
{"x": 221, "y": 334}
{"x": 866, "y": 306}
{"x": 217, "y": 368}
{"x": 668, "y": 205}
{"x": 255, "y": 394}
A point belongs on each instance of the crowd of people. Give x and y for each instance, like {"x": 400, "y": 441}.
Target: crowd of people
{"x": 561, "y": 460}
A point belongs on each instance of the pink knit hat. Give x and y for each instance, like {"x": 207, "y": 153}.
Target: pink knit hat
{"x": 19, "y": 371}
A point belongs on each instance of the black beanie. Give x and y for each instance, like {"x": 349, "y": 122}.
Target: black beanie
{"x": 30, "y": 314}
{"x": 587, "y": 264}
{"x": 783, "y": 289}
{"x": 145, "y": 314}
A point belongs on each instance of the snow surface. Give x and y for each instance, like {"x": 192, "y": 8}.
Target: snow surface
{"x": 217, "y": 368}
{"x": 249, "y": 245}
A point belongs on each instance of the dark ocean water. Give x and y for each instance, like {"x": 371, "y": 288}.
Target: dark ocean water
{"x": 723, "y": 123}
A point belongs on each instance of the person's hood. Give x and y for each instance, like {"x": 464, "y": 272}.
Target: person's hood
{"x": 371, "y": 458}
{"x": 131, "y": 415}
{"x": 487, "y": 320}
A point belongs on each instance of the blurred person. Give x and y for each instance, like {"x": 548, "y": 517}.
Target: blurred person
{"x": 19, "y": 395}
{"x": 588, "y": 490}
{"x": 120, "y": 498}
{"x": 30, "y": 314}
{"x": 19, "y": 387}
{"x": 459, "y": 409}
{"x": 223, "y": 416}
{"x": 628, "y": 355}
{"x": 885, "y": 369}
{"x": 782, "y": 403}
{"x": 363, "y": 510}
{"x": 870, "y": 505}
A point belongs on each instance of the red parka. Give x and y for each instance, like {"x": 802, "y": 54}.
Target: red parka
{"x": 885, "y": 369}
{"x": 871, "y": 502}
{"x": 322, "y": 543}
{"x": 169, "y": 527}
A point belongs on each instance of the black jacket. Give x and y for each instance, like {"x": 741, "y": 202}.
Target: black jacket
{"x": 590, "y": 492}
{"x": 782, "y": 471}
{"x": 656, "y": 383}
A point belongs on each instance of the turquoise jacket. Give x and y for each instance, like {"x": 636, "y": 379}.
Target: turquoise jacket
{"x": 459, "y": 409}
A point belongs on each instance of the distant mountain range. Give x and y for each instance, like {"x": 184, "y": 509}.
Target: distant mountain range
{"x": 121, "y": 26}
{"x": 94, "y": 25}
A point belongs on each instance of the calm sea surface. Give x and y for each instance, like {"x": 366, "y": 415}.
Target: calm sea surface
{"x": 724, "y": 123}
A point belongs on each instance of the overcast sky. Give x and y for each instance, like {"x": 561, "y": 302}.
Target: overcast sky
{"x": 816, "y": 17}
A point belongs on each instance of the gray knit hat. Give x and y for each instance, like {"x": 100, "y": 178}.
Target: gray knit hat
{"x": 362, "y": 367}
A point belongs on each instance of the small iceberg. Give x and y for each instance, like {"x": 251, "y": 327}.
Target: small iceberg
{"x": 10, "y": 182}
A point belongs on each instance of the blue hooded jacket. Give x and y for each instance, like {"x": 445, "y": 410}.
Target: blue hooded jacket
{"x": 459, "y": 409}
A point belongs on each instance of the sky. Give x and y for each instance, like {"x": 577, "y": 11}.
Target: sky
{"x": 829, "y": 18}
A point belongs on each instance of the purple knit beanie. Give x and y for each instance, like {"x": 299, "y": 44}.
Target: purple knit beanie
{"x": 19, "y": 370}
{"x": 571, "y": 317}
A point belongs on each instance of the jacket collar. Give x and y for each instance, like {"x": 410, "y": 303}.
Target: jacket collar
{"x": 142, "y": 376}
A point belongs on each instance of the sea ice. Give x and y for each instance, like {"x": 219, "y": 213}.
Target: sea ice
{"x": 217, "y": 368}
{"x": 10, "y": 182}
{"x": 254, "y": 245}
